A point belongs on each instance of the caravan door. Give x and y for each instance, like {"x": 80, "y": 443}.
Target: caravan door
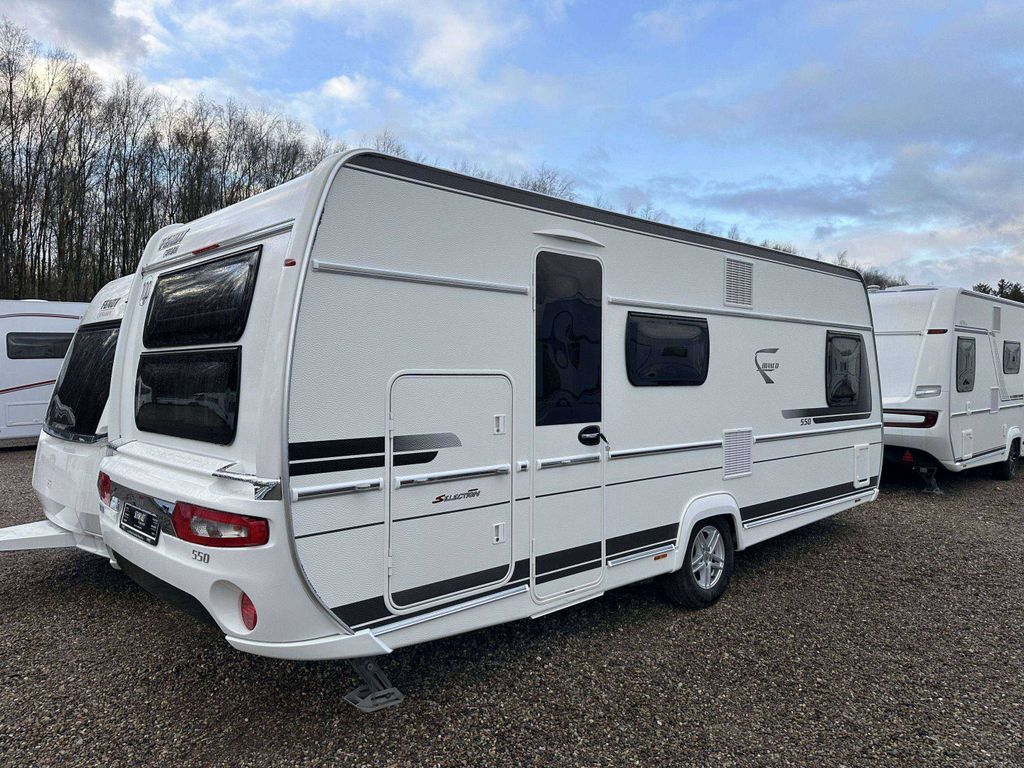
{"x": 449, "y": 460}
{"x": 567, "y": 550}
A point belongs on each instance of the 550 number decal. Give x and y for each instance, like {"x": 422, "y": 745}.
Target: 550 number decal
{"x": 202, "y": 557}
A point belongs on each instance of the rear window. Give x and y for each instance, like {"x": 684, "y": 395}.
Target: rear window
{"x": 204, "y": 304}
{"x": 191, "y": 394}
{"x": 83, "y": 385}
{"x": 37, "y": 346}
{"x": 846, "y": 372}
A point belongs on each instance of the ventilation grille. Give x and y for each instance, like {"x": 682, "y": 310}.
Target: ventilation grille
{"x": 738, "y": 446}
{"x": 997, "y": 318}
{"x": 739, "y": 283}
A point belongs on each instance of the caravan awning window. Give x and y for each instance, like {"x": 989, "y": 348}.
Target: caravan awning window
{"x": 83, "y": 385}
{"x": 204, "y": 304}
{"x": 191, "y": 394}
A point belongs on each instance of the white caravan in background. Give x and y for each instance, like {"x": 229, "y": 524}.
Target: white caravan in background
{"x": 74, "y": 436}
{"x": 952, "y": 387}
{"x": 35, "y": 335}
{"x": 386, "y": 403}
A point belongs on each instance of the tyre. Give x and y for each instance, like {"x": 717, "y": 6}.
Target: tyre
{"x": 707, "y": 566}
{"x": 1007, "y": 470}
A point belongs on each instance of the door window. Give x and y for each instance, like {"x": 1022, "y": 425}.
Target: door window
{"x": 965, "y": 363}
{"x": 568, "y": 339}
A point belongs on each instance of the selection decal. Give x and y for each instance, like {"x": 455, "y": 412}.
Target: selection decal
{"x": 472, "y": 493}
{"x": 764, "y": 367}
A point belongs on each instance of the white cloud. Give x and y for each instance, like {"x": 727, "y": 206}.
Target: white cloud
{"x": 676, "y": 20}
{"x": 345, "y": 88}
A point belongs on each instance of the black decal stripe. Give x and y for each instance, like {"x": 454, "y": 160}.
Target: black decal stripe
{"x": 810, "y": 498}
{"x": 854, "y": 412}
{"x": 448, "y": 586}
{"x": 637, "y": 540}
{"x": 361, "y": 446}
{"x": 555, "y": 575}
{"x": 659, "y": 477}
{"x": 362, "y": 612}
{"x": 564, "y": 558}
{"x": 359, "y": 462}
{"x": 423, "y": 174}
{"x": 339, "y": 530}
{"x": 571, "y": 490}
{"x": 978, "y": 454}
{"x": 848, "y": 417}
{"x": 323, "y": 449}
{"x": 810, "y": 453}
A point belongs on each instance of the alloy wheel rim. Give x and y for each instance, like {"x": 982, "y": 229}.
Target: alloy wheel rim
{"x": 707, "y": 557}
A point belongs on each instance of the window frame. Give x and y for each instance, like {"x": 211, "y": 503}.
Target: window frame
{"x": 1008, "y": 345}
{"x": 864, "y": 400}
{"x": 698, "y": 322}
{"x": 243, "y": 321}
{"x": 974, "y": 362}
{"x": 7, "y": 343}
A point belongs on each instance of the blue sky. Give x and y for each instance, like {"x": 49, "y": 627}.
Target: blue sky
{"x": 893, "y": 131}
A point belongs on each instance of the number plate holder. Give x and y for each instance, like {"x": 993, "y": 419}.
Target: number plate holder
{"x": 141, "y": 524}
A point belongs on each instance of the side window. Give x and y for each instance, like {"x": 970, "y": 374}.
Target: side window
{"x": 847, "y": 382}
{"x": 662, "y": 350}
{"x": 568, "y": 339}
{"x": 965, "y": 356}
{"x": 37, "y": 346}
{"x": 1011, "y": 357}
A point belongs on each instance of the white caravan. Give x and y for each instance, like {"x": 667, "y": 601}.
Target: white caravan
{"x": 952, "y": 387}
{"x": 35, "y": 335}
{"x": 74, "y": 436}
{"x": 386, "y": 403}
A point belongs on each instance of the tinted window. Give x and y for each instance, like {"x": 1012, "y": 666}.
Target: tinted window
{"x": 847, "y": 384}
{"x": 205, "y": 304}
{"x": 1011, "y": 357}
{"x": 663, "y": 351}
{"x": 37, "y": 346}
{"x": 965, "y": 356}
{"x": 83, "y": 385}
{"x": 568, "y": 339}
{"x": 190, "y": 394}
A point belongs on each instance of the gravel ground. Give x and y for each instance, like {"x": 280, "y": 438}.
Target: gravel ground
{"x": 890, "y": 634}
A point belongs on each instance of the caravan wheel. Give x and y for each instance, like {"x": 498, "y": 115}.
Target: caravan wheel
{"x": 1007, "y": 470}
{"x": 706, "y": 569}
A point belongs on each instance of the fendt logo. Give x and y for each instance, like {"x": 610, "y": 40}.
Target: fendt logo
{"x": 764, "y": 367}
{"x": 472, "y": 493}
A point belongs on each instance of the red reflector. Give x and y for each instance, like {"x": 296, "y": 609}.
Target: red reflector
{"x": 908, "y": 457}
{"x": 104, "y": 486}
{"x": 289, "y": 262}
{"x": 206, "y": 248}
{"x": 937, "y": 331}
{"x": 213, "y": 528}
{"x": 248, "y": 610}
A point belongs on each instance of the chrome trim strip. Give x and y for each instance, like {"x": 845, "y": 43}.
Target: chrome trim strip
{"x": 803, "y": 511}
{"x": 568, "y": 461}
{"x": 814, "y": 432}
{"x": 449, "y": 610}
{"x": 262, "y": 487}
{"x": 731, "y": 313}
{"x": 663, "y": 549}
{"x": 416, "y": 277}
{"x": 970, "y": 329}
{"x": 569, "y": 234}
{"x": 248, "y": 237}
{"x": 337, "y": 489}
{"x": 458, "y": 474}
{"x": 626, "y": 453}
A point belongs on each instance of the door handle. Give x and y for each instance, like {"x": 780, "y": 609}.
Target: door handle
{"x": 592, "y": 435}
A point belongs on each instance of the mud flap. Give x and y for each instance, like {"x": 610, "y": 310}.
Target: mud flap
{"x": 39, "y": 535}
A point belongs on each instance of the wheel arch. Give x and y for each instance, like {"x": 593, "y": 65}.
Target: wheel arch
{"x": 702, "y": 508}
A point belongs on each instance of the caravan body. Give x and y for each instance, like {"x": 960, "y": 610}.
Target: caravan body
{"x": 35, "y": 335}
{"x": 952, "y": 386}
{"x": 74, "y": 436}
{"x": 386, "y": 403}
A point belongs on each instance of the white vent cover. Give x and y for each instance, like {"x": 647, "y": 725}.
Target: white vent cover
{"x": 997, "y": 318}
{"x": 739, "y": 283}
{"x": 738, "y": 449}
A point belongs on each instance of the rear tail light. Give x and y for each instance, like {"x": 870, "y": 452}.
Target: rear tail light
{"x": 248, "y": 611}
{"x": 213, "y": 528}
{"x": 104, "y": 486}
